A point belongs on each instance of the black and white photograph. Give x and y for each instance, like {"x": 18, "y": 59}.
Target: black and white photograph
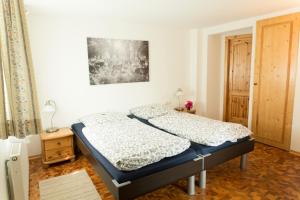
{"x": 117, "y": 61}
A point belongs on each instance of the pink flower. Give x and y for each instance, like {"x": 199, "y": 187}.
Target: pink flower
{"x": 189, "y": 105}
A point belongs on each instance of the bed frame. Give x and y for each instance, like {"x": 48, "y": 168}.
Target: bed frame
{"x": 210, "y": 160}
{"x": 131, "y": 189}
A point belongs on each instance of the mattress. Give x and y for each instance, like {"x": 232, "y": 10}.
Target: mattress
{"x": 123, "y": 176}
{"x": 199, "y": 148}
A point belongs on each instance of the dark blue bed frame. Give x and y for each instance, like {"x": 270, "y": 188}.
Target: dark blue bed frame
{"x": 134, "y": 188}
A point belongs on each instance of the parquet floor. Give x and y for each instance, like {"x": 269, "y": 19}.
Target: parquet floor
{"x": 272, "y": 174}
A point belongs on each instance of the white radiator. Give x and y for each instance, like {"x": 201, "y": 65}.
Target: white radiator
{"x": 18, "y": 171}
{"x": 4, "y": 146}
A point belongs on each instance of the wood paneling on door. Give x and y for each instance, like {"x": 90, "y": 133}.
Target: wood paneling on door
{"x": 237, "y": 78}
{"x": 274, "y": 79}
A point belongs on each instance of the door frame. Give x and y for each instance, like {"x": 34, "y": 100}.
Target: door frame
{"x": 226, "y": 72}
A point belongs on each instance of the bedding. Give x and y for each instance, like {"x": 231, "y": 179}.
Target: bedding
{"x": 100, "y": 118}
{"x": 198, "y": 148}
{"x": 123, "y": 176}
{"x": 151, "y": 111}
{"x": 200, "y": 130}
{"x": 130, "y": 145}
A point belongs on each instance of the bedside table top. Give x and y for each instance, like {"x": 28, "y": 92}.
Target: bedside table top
{"x": 62, "y": 132}
{"x": 192, "y": 111}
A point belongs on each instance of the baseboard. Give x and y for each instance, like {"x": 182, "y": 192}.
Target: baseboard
{"x": 295, "y": 153}
{"x": 35, "y": 157}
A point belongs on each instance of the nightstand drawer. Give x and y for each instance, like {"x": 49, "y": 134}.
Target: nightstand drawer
{"x": 58, "y": 154}
{"x": 58, "y": 143}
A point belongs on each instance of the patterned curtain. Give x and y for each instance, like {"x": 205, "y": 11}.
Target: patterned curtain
{"x": 19, "y": 115}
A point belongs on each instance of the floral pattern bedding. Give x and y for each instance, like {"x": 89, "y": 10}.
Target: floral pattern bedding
{"x": 200, "y": 129}
{"x": 151, "y": 111}
{"x": 130, "y": 144}
{"x": 100, "y": 118}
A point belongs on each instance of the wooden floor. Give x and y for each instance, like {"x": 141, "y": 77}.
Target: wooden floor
{"x": 271, "y": 174}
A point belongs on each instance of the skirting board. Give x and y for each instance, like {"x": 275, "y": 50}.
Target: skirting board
{"x": 35, "y": 157}
{"x": 295, "y": 153}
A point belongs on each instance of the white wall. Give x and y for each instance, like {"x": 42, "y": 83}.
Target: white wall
{"x": 213, "y": 76}
{"x": 193, "y": 59}
{"x": 33, "y": 145}
{"x": 59, "y": 50}
{"x": 295, "y": 142}
{"x": 203, "y": 68}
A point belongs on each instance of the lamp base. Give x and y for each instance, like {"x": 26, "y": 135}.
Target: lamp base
{"x": 180, "y": 109}
{"x": 52, "y": 130}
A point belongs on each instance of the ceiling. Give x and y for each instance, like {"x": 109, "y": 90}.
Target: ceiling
{"x": 192, "y": 13}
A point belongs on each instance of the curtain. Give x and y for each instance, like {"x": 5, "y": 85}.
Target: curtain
{"x": 19, "y": 114}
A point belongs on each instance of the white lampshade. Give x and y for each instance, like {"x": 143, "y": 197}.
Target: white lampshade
{"x": 49, "y": 107}
{"x": 179, "y": 92}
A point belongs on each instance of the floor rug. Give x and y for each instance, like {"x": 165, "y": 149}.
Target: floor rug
{"x": 75, "y": 186}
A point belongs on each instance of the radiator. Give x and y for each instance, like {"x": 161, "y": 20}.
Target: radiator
{"x": 18, "y": 172}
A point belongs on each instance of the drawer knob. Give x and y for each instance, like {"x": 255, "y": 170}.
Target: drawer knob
{"x": 58, "y": 143}
{"x": 58, "y": 153}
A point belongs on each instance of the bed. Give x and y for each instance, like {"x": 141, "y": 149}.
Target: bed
{"x": 211, "y": 155}
{"x": 130, "y": 184}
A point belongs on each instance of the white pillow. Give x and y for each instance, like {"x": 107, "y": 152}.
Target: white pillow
{"x": 151, "y": 111}
{"x": 101, "y": 118}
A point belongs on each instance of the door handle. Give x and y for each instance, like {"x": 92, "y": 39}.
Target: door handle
{"x": 255, "y": 84}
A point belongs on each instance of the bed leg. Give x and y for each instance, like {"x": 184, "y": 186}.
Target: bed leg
{"x": 243, "y": 162}
{"x": 203, "y": 179}
{"x": 191, "y": 185}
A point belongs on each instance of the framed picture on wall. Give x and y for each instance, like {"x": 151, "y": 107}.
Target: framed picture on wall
{"x": 117, "y": 61}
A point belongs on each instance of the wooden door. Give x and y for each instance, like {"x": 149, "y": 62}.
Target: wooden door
{"x": 237, "y": 78}
{"x": 274, "y": 79}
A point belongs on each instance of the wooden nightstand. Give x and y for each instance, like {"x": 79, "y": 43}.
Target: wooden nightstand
{"x": 57, "y": 147}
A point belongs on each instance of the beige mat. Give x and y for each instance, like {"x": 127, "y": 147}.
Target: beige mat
{"x": 75, "y": 186}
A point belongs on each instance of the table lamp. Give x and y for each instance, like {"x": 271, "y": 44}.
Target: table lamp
{"x": 50, "y": 107}
{"x": 179, "y": 94}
